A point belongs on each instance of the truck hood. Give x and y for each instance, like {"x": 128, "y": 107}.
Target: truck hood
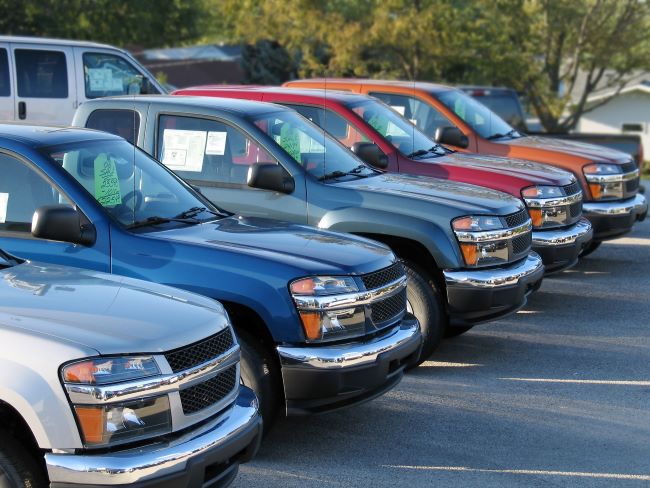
{"x": 109, "y": 314}
{"x": 464, "y": 198}
{"x": 533, "y": 173}
{"x": 583, "y": 149}
{"x": 307, "y": 248}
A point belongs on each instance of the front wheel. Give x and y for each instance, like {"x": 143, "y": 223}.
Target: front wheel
{"x": 424, "y": 301}
{"x": 258, "y": 372}
{"x": 18, "y": 469}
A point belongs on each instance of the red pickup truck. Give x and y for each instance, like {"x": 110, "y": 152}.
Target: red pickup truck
{"x": 381, "y": 137}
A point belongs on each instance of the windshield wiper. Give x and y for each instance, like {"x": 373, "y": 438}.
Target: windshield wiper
{"x": 162, "y": 220}
{"x": 511, "y": 133}
{"x": 431, "y": 150}
{"x": 194, "y": 211}
{"x": 338, "y": 174}
{"x": 8, "y": 258}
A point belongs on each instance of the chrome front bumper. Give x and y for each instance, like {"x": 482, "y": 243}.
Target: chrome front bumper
{"x": 219, "y": 441}
{"x": 496, "y": 277}
{"x": 580, "y": 231}
{"x": 637, "y": 206}
{"x": 349, "y": 355}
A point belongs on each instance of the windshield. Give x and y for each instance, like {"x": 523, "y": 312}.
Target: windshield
{"x": 402, "y": 134}
{"x": 480, "y": 118}
{"x": 128, "y": 183}
{"x": 309, "y": 145}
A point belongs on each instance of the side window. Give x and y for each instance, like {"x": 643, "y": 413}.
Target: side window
{"x": 41, "y": 74}
{"x": 423, "y": 115}
{"x": 22, "y": 191}
{"x": 335, "y": 125}
{"x": 123, "y": 123}
{"x": 108, "y": 74}
{"x": 5, "y": 87}
{"x": 207, "y": 150}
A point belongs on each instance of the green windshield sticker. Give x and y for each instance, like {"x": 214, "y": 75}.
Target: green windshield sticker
{"x": 290, "y": 142}
{"x": 107, "y": 184}
{"x": 379, "y": 123}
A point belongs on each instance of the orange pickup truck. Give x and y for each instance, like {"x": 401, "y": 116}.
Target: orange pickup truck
{"x": 609, "y": 178}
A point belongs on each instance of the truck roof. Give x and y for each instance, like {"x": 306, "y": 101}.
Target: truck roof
{"x": 418, "y": 85}
{"x": 231, "y": 105}
{"x": 42, "y": 135}
{"x": 337, "y": 95}
{"x": 60, "y": 42}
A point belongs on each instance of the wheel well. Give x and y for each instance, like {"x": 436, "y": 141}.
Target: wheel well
{"x": 413, "y": 251}
{"x": 13, "y": 423}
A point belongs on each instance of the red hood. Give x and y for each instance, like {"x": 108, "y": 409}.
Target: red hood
{"x": 582, "y": 149}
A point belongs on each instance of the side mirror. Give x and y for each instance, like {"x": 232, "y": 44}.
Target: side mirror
{"x": 371, "y": 154}
{"x": 62, "y": 223}
{"x": 268, "y": 176}
{"x": 451, "y": 136}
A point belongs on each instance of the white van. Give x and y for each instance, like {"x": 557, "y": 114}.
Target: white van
{"x": 45, "y": 80}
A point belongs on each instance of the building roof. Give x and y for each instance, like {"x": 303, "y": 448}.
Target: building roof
{"x": 207, "y": 52}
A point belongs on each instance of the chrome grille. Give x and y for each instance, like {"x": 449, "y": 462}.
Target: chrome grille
{"x": 197, "y": 397}
{"x": 575, "y": 209}
{"x": 380, "y": 278}
{"x": 522, "y": 243}
{"x": 390, "y": 308}
{"x": 571, "y": 189}
{"x": 516, "y": 219}
{"x": 200, "y": 352}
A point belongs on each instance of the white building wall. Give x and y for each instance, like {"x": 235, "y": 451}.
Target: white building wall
{"x": 628, "y": 108}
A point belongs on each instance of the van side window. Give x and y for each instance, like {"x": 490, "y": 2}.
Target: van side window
{"x": 421, "y": 114}
{"x": 123, "y": 123}
{"x": 108, "y": 74}
{"x": 5, "y": 89}
{"x": 41, "y": 74}
{"x": 208, "y": 150}
{"x": 22, "y": 191}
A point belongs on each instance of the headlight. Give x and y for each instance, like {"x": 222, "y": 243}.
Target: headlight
{"x": 482, "y": 239}
{"x": 117, "y": 423}
{"x": 549, "y": 206}
{"x": 605, "y": 181}
{"x": 333, "y": 323}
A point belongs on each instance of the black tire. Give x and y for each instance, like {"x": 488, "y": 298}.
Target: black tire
{"x": 589, "y": 248}
{"x": 18, "y": 469}
{"x": 425, "y": 301}
{"x": 451, "y": 332}
{"x": 259, "y": 373}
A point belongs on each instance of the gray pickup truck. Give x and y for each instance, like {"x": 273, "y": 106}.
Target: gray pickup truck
{"x": 111, "y": 381}
{"x": 466, "y": 249}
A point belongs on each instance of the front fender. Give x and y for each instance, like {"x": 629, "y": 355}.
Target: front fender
{"x": 438, "y": 241}
{"x": 41, "y": 403}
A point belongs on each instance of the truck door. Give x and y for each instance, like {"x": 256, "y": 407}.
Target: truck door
{"x": 45, "y": 83}
{"x": 6, "y": 91}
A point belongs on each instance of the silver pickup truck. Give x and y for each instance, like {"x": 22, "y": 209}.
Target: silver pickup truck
{"x": 111, "y": 381}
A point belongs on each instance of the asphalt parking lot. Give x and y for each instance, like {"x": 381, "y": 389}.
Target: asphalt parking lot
{"x": 556, "y": 395}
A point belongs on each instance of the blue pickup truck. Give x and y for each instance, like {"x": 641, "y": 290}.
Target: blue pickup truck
{"x": 321, "y": 316}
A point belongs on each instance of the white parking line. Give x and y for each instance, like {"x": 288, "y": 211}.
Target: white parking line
{"x": 578, "y": 474}
{"x": 586, "y": 382}
{"x": 445, "y": 364}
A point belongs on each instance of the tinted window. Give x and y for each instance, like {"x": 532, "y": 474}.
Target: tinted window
{"x": 22, "y": 191}
{"x": 423, "y": 115}
{"x": 123, "y": 123}
{"x": 333, "y": 123}
{"x": 107, "y": 74}
{"x": 41, "y": 74}
{"x": 506, "y": 106}
{"x": 207, "y": 150}
{"x": 5, "y": 89}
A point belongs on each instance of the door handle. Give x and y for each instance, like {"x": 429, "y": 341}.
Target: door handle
{"x": 22, "y": 110}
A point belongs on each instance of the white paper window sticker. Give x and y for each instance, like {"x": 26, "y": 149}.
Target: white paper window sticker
{"x": 216, "y": 143}
{"x": 4, "y": 202}
{"x": 184, "y": 150}
{"x": 100, "y": 79}
{"x": 400, "y": 109}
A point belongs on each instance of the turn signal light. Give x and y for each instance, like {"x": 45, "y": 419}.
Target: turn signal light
{"x": 470, "y": 253}
{"x": 596, "y": 190}
{"x": 536, "y": 216}
{"x": 92, "y": 421}
{"x": 311, "y": 322}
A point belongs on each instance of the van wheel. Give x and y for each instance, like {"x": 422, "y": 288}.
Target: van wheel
{"x": 424, "y": 301}
{"x": 18, "y": 469}
{"x": 456, "y": 331}
{"x": 258, "y": 372}
{"x": 591, "y": 247}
